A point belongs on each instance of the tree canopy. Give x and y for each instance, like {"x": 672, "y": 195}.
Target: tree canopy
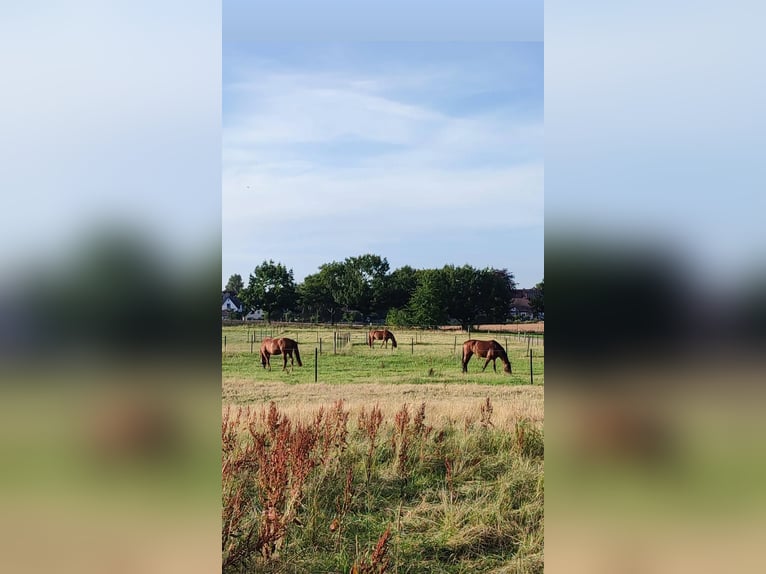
{"x": 272, "y": 288}
{"x": 537, "y": 301}
{"x": 235, "y": 284}
{"x": 364, "y": 288}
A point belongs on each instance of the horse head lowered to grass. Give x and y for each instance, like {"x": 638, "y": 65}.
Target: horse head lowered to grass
{"x": 491, "y": 350}
{"x": 381, "y": 335}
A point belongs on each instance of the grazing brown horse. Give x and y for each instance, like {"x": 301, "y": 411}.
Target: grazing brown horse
{"x": 492, "y": 350}
{"x": 381, "y": 335}
{"x": 280, "y": 346}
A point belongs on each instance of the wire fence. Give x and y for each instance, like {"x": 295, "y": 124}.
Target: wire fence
{"x": 526, "y": 351}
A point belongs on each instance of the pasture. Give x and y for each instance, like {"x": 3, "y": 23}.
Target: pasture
{"x": 394, "y": 461}
{"x": 421, "y": 357}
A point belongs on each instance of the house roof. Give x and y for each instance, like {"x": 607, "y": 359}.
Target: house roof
{"x": 521, "y": 305}
{"x": 229, "y": 295}
{"x": 525, "y": 293}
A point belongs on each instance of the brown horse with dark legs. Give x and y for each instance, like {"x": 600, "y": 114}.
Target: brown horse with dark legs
{"x": 381, "y": 335}
{"x": 280, "y": 346}
{"x": 491, "y": 350}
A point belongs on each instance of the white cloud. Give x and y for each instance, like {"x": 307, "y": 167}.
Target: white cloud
{"x": 291, "y": 110}
{"x": 317, "y": 159}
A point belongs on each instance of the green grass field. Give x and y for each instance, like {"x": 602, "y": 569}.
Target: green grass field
{"x": 394, "y": 461}
{"x": 421, "y": 357}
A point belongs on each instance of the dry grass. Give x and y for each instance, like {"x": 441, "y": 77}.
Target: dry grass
{"x": 316, "y": 496}
{"x": 445, "y": 403}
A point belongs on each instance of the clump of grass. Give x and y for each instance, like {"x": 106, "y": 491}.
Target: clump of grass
{"x": 418, "y": 423}
{"x": 263, "y": 485}
{"x": 448, "y": 479}
{"x": 486, "y": 413}
{"x": 528, "y": 440}
{"x": 378, "y": 561}
{"x": 343, "y": 505}
{"x": 331, "y": 428}
{"x": 402, "y": 440}
{"x": 369, "y": 424}
{"x": 315, "y": 497}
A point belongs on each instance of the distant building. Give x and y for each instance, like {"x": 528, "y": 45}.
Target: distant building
{"x": 254, "y": 315}
{"x": 521, "y": 306}
{"x": 525, "y": 293}
{"x": 233, "y": 308}
{"x": 230, "y": 304}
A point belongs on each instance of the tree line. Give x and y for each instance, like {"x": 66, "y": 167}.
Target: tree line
{"x": 363, "y": 288}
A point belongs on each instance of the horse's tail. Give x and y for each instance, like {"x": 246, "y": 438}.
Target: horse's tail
{"x": 298, "y": 355}
{"x": 369, "y": 338}
{"x": 393, "y": 340}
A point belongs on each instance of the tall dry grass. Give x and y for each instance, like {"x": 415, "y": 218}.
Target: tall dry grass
{"x": 446, "y": 404}
{"x": 396, "y": 492}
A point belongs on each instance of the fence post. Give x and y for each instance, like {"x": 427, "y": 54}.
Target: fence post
{"x": 251, "y": 347}
{"x": 454, "y": 348}
{"x": 412, "y": 345}
{"x": 316, "y": 363}
{"x": 334, "y": 341}
{"x": 224, "y": 343}
{"x": 320, "y": 346}
{"x": 531, "y": 374}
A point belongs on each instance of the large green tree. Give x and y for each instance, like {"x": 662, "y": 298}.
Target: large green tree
{"x": 496, "y": 287}
{"x": 235, "y": 284}
{"x": 427, "y": 305}
{"x": 353, "y": 286}
{"x": 477, "y": 295}
{"x": 271, "y": 288}
{"x": 399, "y": 287}
{"x": 315, "y": 297}
{"x": 321, "y": 295}
{"x": 537, "y": 301}
{"x": 363, "y": 283}
{"x": 462, "y": 296}
{"x": 375, "y": 273}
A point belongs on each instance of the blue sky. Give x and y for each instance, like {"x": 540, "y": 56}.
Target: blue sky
{"x": 424, "y": 153}
{"x": 387, "y": 20}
